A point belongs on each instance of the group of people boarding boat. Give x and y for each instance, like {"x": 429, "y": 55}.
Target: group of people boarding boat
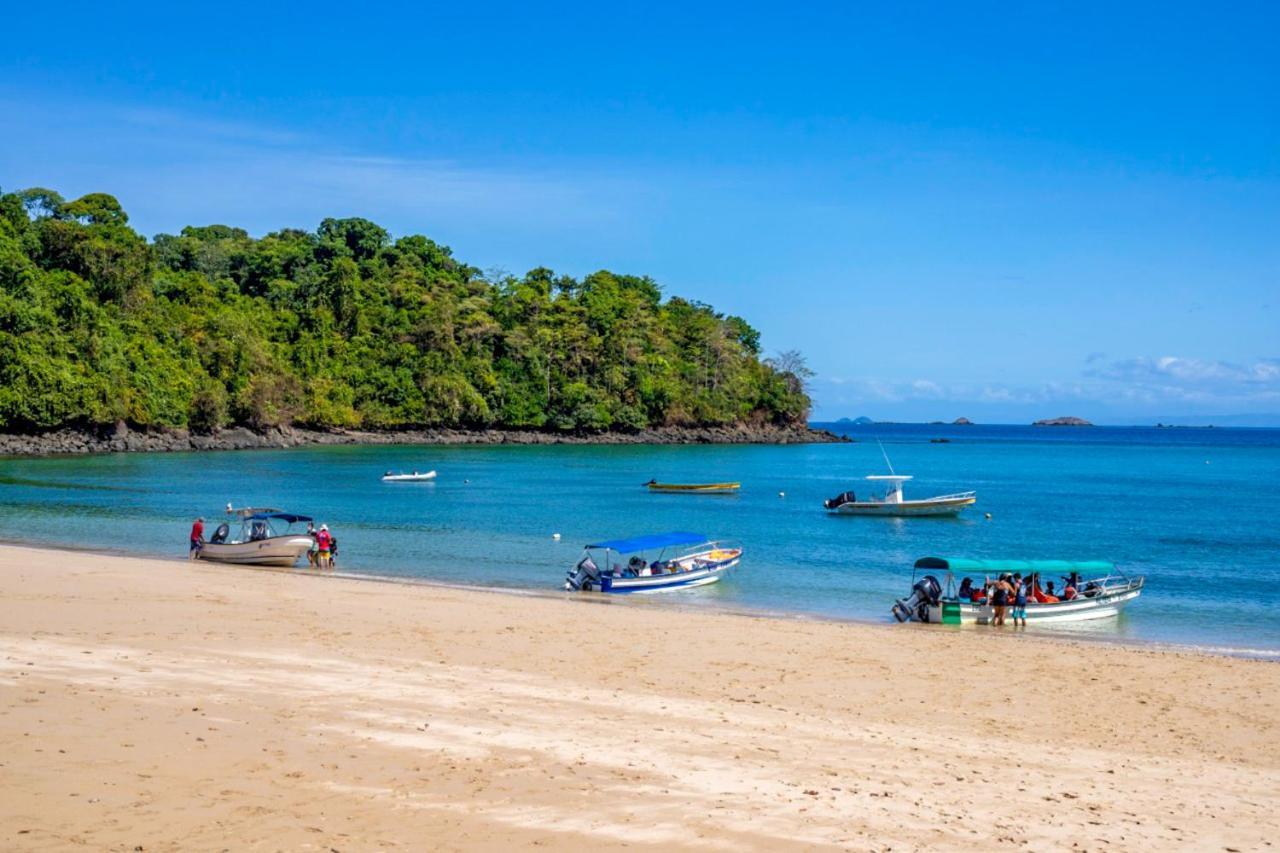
{"x": 1011, "y": 592}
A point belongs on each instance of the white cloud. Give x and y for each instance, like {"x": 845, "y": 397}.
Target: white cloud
{"x": 171, "y": 169}
{"x": 1163, "y": 384}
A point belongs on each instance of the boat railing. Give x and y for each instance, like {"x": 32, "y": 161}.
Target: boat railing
{"x": 956, "y": 497}
{"x": 1112, "y": 584}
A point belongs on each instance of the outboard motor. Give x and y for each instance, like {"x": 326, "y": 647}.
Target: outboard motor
{"x": 584, "y": 576}
{"x": 839, "y": 500}
{"x": 927, "y": 591}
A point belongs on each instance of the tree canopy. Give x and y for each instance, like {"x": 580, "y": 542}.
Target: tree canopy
{"x": 347, "y": 327}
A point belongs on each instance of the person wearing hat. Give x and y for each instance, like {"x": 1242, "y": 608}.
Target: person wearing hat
{"x": 197, "y": 539}
{"x": 313, "y": 553}
{"x": 324, "y": 542}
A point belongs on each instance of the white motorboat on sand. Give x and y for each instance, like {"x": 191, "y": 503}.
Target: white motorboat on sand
{"x": 258, "y": 542}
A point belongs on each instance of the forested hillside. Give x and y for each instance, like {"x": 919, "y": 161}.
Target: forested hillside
{"x": 347, "y": 327}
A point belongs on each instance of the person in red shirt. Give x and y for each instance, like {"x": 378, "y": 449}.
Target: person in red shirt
{"x": 197, "y": 539}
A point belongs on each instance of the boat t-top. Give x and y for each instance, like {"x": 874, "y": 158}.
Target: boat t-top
{"x": 264, "y": 538}
{"x": 888, "y": 500}
{"x": 656, "y": 563}
{"x": 414, "y": 477}
{"x": 1091, "y": 589}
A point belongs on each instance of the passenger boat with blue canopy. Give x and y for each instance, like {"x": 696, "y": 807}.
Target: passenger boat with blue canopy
{"x": 1091, "y": 589}
{"x": 659, "y": 562}
{"x": 264, "y": 538}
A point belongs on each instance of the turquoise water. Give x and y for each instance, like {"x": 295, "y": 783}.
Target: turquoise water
{"x": 1194, "y": 510}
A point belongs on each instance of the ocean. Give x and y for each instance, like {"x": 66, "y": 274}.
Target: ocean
{"x": 1192, "y": 509}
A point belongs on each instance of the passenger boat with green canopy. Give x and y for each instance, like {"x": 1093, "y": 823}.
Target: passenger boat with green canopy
{"x": 1091, "y": 589}
{"x": 680, "y": 560}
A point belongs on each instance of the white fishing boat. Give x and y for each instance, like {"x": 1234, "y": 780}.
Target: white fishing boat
{"x": 889, "y": 500}
{"x": 680, "y": 560}
{"x": 258, "y": 540}
{"x": 1092, "y": 589}
{"x": 414, "y": 477}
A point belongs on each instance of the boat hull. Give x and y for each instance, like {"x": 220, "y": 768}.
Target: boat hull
{"x": 1107, "y": 605}
{"x": 409, "y": 478}
{"x": 695, "y": 489}
{"x": 934, "y": 507}
{"x": 275, "y": 551}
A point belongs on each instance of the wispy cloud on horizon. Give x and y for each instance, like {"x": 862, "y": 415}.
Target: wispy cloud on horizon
{"x": 1132, "y": 385}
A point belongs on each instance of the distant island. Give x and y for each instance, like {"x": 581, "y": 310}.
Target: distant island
{"x": 860, "y": 421}
{"x": 962, "y": 422}
{"x": 347, "y": 329}
{"x": 1063, "y": 421}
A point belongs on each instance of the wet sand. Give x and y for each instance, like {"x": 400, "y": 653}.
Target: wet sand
{"x": 172, "y": 706}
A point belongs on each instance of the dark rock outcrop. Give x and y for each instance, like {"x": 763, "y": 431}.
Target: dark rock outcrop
{"x": 121, "y": 439}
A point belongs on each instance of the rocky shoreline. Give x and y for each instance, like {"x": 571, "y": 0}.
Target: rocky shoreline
{"x": 122, "y": 439}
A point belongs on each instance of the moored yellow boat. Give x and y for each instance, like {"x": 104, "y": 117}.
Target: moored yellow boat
{"x": 694, "y": 488}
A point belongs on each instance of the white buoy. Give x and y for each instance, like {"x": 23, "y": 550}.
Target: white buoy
{"x": 782, "y": 494}
{"x": 988, "y": 516}
{"x": 555, "y": 536}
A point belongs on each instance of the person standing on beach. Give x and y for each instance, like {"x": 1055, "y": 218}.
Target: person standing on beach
{"x": 313, "y": 552}
{"x": 323, "y": 543}
{"x": 197, "y": 539}
{"x": 1020, "y": 588}
{"x": 1000, "y": 600}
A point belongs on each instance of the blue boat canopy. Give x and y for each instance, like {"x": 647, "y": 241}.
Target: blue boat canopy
{"x": 654, "y": 540}
{"x": 964, "y": 564}
{"x": 280, "y": 516}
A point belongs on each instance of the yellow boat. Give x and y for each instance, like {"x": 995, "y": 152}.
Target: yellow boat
{"x": 694, "y": 488}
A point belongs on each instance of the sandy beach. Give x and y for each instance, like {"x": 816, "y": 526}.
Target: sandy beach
{"x": 158, "y": 705}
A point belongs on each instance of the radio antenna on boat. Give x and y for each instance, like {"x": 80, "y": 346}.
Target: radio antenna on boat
{"x": 885, "y": 455}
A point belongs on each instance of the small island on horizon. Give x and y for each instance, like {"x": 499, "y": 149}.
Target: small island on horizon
{"x": 1066, "y": 420}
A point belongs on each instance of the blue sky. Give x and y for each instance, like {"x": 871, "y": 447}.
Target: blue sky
{"x": 1003, "y": 211}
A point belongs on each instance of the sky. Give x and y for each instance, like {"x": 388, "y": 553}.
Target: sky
{"x": 1003, "y": 211}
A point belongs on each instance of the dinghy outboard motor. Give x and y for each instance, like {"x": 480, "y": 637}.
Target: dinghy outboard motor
{"x": 584, "y": 576}
{"x": 927, "y": 591}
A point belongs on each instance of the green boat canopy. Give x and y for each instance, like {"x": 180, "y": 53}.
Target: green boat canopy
{"x": 964, "y": 564}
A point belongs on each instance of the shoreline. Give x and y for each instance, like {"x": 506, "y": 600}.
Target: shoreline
{"x": 672, "y": 604}
{"x": 122, "y": 439}
{"x": 171, "y": 705}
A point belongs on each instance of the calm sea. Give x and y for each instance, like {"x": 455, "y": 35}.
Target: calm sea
{"x": 1193, "y": 509}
